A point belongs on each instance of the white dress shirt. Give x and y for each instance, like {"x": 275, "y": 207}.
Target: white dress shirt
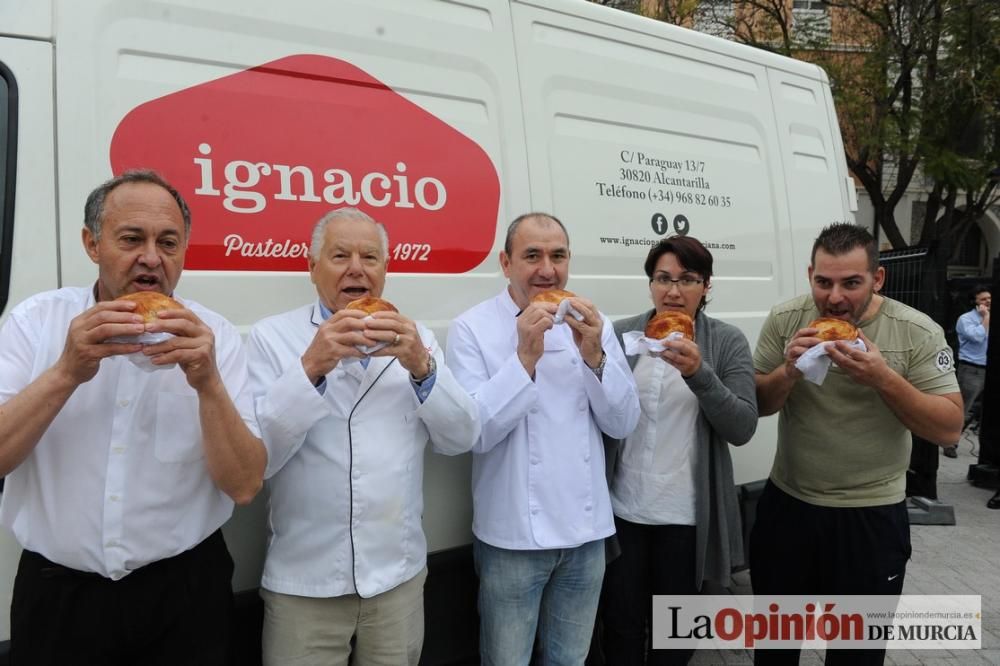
{"x": 118, "y": 480}
{"x": 538, "y": 468}
{"x": 653, "y": 481}
{"x": 345, "y": 466}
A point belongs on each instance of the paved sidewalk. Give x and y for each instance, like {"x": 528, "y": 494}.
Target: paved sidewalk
{"x": 956, "y": 559}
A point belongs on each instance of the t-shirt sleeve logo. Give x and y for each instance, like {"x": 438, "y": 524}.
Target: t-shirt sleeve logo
{"x": 944, "y": 361}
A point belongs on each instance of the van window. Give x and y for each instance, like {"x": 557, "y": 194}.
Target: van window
{"x": 8, "y": 163}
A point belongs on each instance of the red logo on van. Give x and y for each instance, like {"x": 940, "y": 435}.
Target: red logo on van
{"x": 262, "y": 154}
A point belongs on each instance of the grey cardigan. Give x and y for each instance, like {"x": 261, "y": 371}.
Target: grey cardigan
{"x": 724, "y": 386}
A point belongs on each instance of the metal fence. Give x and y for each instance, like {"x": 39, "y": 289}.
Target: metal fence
{"x": 911, "y": 278}
{"x": 904, "y": 276}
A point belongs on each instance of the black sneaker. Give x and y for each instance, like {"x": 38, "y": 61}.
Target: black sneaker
{"x": 951, "y": 452}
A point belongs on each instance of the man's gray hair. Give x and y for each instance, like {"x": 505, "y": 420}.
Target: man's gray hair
{"x": 349, "y": 213}
{"x": 93, "y": 210}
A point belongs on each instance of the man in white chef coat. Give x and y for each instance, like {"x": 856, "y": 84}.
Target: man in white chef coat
{"x": 545, "y": 393}
{"x": 345, "y": 433}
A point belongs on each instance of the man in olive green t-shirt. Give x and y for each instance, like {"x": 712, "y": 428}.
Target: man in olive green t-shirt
{"x": 832, "y": 518}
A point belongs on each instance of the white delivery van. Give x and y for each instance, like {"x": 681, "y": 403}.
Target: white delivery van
{"x": 443, "y": 119}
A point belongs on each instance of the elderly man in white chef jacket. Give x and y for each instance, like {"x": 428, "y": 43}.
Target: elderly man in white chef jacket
{"x": 345, "y": 431}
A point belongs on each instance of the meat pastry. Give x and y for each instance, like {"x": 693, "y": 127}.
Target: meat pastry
{"x": 834, "y": 329}
{"x": 664, "y": 323}
{"x": 148, "y": 304}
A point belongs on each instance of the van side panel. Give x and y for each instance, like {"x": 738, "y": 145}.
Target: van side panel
{"x": 26, "y": 18}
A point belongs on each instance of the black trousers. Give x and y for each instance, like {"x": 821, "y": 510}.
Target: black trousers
{"x": 655, "y": 559}
{"x": 802, "y": 548}
{"x": 175, "y": 612}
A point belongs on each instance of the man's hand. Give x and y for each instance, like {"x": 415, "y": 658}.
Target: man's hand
{"x": 531, "y": 326}
{"x": 683, "y": 354}
{"x": 403, "y": 341}
{"x": 85, "y": 347}
{"x": 865, "y": 367}
{"x": 587, "y": 333}
{"x": 803, "y": 340}
{"x": 192, "y": 347}
{"x": 336, "y": 338}
{"x": 984, "y": 312}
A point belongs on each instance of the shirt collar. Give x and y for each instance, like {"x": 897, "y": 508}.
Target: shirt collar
{"x": 324, "y": 311}
{"x": 508, "y": 304}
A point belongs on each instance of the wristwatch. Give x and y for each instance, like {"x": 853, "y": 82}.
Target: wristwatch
{"x": 599, "y": 370}
{"x": 431, "y": 369}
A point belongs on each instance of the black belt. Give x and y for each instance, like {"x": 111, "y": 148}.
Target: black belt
{"x": 974, "y": 365}
{"x": 49, "y": 569}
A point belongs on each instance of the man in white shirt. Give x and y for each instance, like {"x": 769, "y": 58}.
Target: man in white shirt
{"x": 119, "y": 477}
{"x": 545, "y": 393}
{"x": 346, "y": 434}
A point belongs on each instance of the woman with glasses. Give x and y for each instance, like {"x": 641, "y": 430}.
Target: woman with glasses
{"x": 672, "y": 488}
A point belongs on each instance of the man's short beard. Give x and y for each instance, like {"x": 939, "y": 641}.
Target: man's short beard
{"x": 860, "y": 312}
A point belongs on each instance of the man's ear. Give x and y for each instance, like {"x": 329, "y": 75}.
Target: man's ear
{"x": 312, "y": 267}
{"x": 90, "y": 244}
{"x": 879, "y": 279}
{"x": 505, "y": 264}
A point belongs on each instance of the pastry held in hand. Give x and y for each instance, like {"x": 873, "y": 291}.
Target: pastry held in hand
{"x": 815, "y": 363}
{"x": 662, "y": 324}
{"x": 636, "y": 343}
{"x": 558, "y": 296}
{"x": 370, "y": 305}
{"x": 661, "y": 327}
{"x": 834, "y": 329}
{"x": 148, "y": 305}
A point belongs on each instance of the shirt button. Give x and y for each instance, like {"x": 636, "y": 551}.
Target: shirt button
{"x": 534, "y": 461}
{"x": 574, "y": 361}
{"x": 356, "y": 475}
{"x": 534, "y": 512}
{"x": 587, "y": 508}
{"x": 586, "y": 458}
{"x": 534, "y": 410}
{"x": 123, "y": 403}
{"x": 118, "y": 449}
{"x": 111, "y": 544}
{"x": 113, "y": 498}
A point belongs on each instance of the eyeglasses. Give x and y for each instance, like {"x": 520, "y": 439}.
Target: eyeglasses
{"x": 665, "y": 281}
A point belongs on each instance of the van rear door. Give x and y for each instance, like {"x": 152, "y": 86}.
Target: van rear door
{"x": 28, "y": 221}
{"x": 812, "y": 156}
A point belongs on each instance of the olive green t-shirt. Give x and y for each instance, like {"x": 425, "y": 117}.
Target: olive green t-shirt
{"x": 839, "y": 444}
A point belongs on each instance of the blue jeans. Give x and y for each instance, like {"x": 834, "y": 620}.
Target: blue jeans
{"x": 552, "y": 591}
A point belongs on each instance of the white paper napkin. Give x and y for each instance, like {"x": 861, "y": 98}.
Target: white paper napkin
{"x": 815, "y": 363}
{"x": 636, "y": 343}
{"x": 566, "y": 308}
{"x": 368, "y": 350}
{"x": 139, "y": 359}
